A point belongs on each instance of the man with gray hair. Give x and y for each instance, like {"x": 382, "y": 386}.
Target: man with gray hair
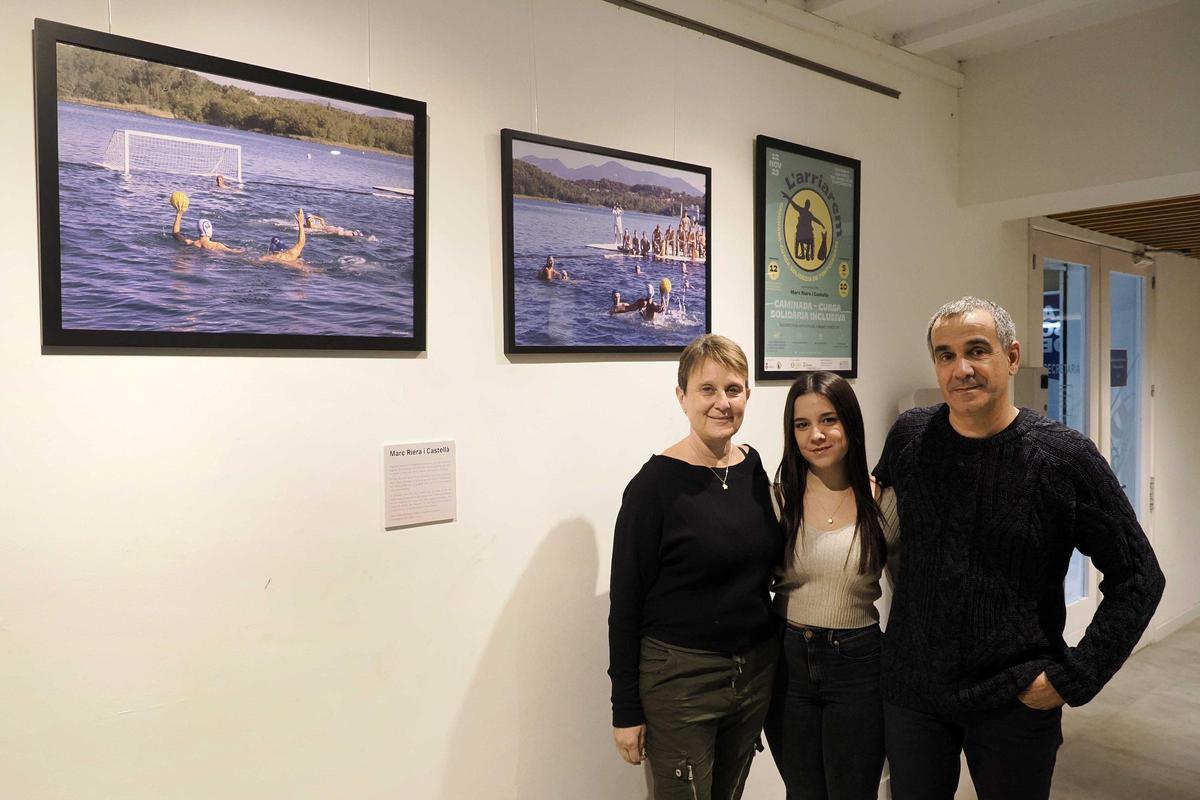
{"x": 993, "y": 499}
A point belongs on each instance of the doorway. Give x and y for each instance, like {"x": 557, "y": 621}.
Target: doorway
{"x": 1095, "y": 303}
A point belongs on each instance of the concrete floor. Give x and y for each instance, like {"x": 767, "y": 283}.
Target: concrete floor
{"x": 1140, "y": 737}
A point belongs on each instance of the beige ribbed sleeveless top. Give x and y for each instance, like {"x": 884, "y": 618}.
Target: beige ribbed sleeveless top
{"x": 823, "y": 588}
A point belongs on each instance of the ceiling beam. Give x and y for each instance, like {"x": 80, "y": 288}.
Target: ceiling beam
{"x": 997, "y": 16}
{"x": 841, "y": 9}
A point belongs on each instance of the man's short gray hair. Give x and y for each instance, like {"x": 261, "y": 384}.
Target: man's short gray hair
{"x": 1006, "y": 331}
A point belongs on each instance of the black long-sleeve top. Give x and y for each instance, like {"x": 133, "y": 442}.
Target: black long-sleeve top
{"x": 987, "y": 527}
{"x": 691, "y": 566}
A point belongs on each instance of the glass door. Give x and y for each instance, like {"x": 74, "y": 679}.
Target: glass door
{"x": 1065, "y": 357}
{"x": 1094, "y": 304}
{"x": 1127, "y": 299}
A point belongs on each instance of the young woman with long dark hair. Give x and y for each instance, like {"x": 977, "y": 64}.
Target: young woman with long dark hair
{"x": 825, "y": 725}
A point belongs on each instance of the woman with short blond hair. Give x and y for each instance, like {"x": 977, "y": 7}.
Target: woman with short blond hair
{"x": 692, "y": 642}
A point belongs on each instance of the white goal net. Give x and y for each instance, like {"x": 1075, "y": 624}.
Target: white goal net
{"x": 136, "y": 150}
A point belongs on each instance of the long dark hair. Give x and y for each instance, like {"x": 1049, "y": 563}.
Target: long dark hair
{"x": 792, "y": 475}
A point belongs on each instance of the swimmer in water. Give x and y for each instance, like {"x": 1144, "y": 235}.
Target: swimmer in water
{"x": 221, "y": 184}
{"x": 204, "y": 231}
{"x": 619, "y": 307}
{"x": 277, "y": 252}
{"x": 548, "y": 272}
{"x": 651, "y": 309}
{"x": 317, "y": 224}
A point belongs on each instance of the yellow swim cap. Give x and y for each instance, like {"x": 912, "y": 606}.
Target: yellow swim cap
{"x": 179, "y": 201}
{"x": 665, "y": 286}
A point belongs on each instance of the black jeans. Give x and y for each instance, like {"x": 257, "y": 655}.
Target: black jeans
{"x": 825, "y": 726}
{"x": 704, "y": 714}
{"x": 1010, "y": 751}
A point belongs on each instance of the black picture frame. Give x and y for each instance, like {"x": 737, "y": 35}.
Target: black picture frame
{"x": 801, "y": 319}
{"x": 596, "y": 267}
{"x": 385, "y": 260}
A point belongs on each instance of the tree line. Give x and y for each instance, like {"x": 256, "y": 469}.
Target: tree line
{"x": 533, "y": 181}
{"x": 85, "y": 74}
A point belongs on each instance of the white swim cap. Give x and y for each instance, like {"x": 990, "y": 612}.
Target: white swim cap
{"x": 205, "y": 228}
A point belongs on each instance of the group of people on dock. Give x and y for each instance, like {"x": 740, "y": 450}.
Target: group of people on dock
{"x": 688, "y": 240}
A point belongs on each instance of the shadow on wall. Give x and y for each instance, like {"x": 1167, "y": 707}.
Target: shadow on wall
{"x": 536, "y": 722}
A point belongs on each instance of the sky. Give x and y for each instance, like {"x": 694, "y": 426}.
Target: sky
{"x": 576, "y": 158}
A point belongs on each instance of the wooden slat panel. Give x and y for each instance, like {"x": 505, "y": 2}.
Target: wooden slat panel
{"x": 1171, "y": 223}
{"x": 1166, "y": 214}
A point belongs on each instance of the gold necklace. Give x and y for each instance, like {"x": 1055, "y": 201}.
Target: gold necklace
{"x": 829, "y": 519}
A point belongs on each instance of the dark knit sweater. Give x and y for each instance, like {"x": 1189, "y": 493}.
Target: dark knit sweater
{"x": 987, "y": 527}
{"x": 691, "y": 566}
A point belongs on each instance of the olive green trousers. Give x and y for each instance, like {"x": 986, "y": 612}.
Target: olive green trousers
{"x": 704, "y": 716}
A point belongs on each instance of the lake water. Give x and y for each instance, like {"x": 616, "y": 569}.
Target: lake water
{"x": 123, "y": 270}
{"x": 575, "y": 313}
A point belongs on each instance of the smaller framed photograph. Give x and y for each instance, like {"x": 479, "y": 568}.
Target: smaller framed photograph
{"x": 604, "y": 251}
{"x": 186, "y": 200}
{"x": 806, "y": 276}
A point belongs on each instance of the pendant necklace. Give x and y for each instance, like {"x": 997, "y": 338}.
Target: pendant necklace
{"x": 724, "y": 481}
{"x": 829, "y": 519}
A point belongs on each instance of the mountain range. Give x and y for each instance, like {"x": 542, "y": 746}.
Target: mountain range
{"x": 613, "y": 171}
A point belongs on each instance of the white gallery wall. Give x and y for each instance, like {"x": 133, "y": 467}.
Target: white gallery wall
{"x": 197, "y": 598}
{"x": 1108, "y": 105}
{"x": 1177, "y": 440}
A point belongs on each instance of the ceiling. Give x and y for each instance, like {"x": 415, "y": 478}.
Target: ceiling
{"x": 1172, "y": 224}
{"x": 952, "y": 31}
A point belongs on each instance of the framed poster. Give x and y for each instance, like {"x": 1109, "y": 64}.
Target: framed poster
{"x": 806, "y": 260}
{"x": 192, "y": 201}
{"x": 604, "y": 251}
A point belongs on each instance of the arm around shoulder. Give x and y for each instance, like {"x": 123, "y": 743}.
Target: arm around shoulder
{"x": 890, "y": 511}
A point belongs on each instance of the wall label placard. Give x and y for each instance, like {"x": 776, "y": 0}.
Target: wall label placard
{"x": 418, "y": 483}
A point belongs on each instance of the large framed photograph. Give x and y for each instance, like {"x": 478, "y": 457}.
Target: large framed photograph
{"x": 806, "y": 280}
{"x": 604, "y": 251}
{"x": 192, "y": 201}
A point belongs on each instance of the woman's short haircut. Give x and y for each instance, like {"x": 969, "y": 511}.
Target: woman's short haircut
{"x": 711, "y": 347}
